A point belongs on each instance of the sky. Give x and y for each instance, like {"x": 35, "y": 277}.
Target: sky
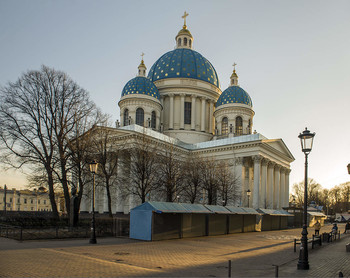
{"x": 293, "y": 58}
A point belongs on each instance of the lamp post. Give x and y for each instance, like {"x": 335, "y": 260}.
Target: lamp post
{"x": 248, "y": 195}
{"x": 93, "y": 170}
{"x": 306, "y": 139}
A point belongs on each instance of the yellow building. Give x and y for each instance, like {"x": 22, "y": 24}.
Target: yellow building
{"x": 26, "y": 200}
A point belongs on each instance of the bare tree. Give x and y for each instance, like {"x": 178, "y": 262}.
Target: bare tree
{"x": 193, "y": 178}
{"x": 142, "y": 161}
{"x": 107, "y": 150}
{"x": 37, "y": 118}
{"x": 313, "y": 189}
{"x": 209, "y": 178}
{"x": 169, "y": 172}
{"x": 227, "y": 184}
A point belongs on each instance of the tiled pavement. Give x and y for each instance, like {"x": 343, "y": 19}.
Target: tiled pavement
{"x": 252, "y": 255}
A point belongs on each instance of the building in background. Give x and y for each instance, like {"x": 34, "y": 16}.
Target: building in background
{"x": 28, "y": 200}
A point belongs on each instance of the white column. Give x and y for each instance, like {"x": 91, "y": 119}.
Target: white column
{"x": 270, "y": 177}
{"x": 246, "y": 185}
{"x": 238, "y": 162}
{"x": 283, "y": 187}
{"x": 203, "y": 115}
{"x": 286, "y": 204}
{"x": 171, "y": 108}
{"x": 256, "y": 193}
{"x": 263, "y": 186}
{"x": 193, "y": 113}
{"x": 105, "y": 200}
{"x": 84, "y": 203}
{"x": 276, "y": 187}
{"x": 211, "y": 112}
{"x": 161, "y": 113}
{"x": 182, "y": 111}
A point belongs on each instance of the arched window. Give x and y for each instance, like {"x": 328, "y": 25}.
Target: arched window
{"x": 224, "y": 126}
{"x": 179, "y": 42}
{"x": 190, "y": 43}
{"x": 239, "y": 126}
{"x": 250, "y": 126}
{"x": 126, "y": 117}
{"x": 185, "y": 41}
{"x": 153, "y": 120}
{"x": 140, "y": 116}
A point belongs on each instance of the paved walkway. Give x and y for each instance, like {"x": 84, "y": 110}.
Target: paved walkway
{"x": 252, "y": 255}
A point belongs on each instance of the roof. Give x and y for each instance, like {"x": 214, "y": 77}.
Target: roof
{"x": 274, "y": 212}
{"x": 140, "y": 85}
{"x": 314, "y": 213}
{"x": 250, "y": 211}
{"x": 234, "y": 94}
{"x": 183, "y": 63}
{"x": 237, "y": 210}
{"x": 218, "y": 209}
{"x": 167, "y": 207}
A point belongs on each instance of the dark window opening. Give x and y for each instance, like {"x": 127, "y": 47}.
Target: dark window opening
{"x": 224, "y": 126}
{"x": 188, "y": 108}
{"x": 140, "y": 117}
{"x": 153, "y": 120}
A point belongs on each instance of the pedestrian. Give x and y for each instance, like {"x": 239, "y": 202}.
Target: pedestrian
{"x": 335, "y": 229}
{"x": 317, "y": 228}
{"x": 347, "y": 226}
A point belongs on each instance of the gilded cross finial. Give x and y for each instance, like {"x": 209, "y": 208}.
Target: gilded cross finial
{"x": 184, "y": 17}
{"x": 142, "y": 54}
{"x": 234, "y": 66}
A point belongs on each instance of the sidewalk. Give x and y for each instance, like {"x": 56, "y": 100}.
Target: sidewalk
{"x": 252, "y": 255}
{"x": 328, "y": 261}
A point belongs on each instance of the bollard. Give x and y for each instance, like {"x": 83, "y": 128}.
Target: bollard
{"x": 341, "y": 274}
{"x": 276, "y": 270}
{"x": 229, "y": 268}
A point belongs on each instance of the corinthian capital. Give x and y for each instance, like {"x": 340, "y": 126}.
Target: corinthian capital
{"x": 238, "y": 160}
{"x": 257, "y": 158}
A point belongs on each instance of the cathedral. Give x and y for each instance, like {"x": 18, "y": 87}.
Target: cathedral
{"x": 180, "y": 102}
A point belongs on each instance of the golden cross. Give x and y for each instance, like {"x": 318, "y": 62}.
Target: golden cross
{"x": 142, "y": 54}
{"x": 184, "y": 17}
{"x": 234, "y": 66}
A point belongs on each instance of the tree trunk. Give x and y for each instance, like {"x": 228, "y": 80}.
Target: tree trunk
{"x": 52, "y": 194}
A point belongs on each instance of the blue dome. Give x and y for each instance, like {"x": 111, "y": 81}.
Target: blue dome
{"x": 234, "y": 94}
{"x": 142, "y": 86}
{"x": 184, "y": 63}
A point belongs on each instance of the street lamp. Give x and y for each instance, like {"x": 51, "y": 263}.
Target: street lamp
{"x": 248, "y": 195}
{"x": 93, "y": 170}
{"x": 306, "y": 139}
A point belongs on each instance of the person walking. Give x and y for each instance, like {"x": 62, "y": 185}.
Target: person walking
{"x": 347, "y": 226}
{"x": 317, "y": 228}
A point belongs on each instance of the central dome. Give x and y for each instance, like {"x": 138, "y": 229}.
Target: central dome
{"x": 184, "y": 63}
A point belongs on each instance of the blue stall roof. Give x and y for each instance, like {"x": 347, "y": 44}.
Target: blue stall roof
{"x": 236, "y": 210}
{"x": 218, "y": 209}
{"x": 250, "y": 210}
{"x": 274, "y": 212}
{"x": 167, "y": 207}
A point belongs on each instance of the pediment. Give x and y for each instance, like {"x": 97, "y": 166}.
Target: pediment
{"x": 279, "y": 146}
